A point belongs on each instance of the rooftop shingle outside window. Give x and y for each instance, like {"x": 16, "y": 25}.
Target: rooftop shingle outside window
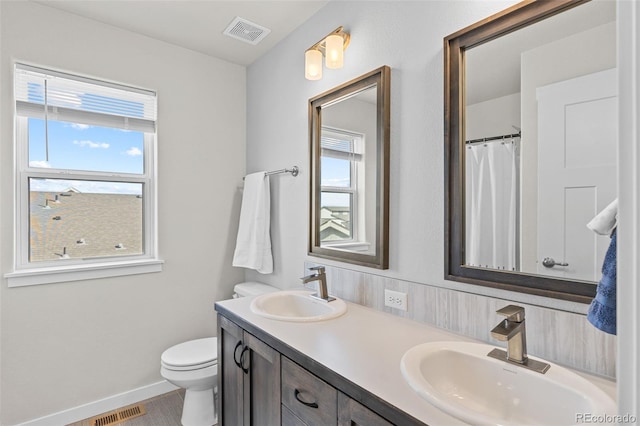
{"x": 89, "y": 225}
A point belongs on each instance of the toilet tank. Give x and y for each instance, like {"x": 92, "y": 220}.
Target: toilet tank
{"x": 252, "y": 288}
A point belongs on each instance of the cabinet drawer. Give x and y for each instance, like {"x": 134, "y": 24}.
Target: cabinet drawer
{"x": 309, "y": 398}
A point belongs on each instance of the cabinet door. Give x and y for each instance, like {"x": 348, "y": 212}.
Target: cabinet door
{"x": 230, "y": 375}
{"x": 248, "y": 378}
{"x": 352, "y": 413}
{"x": 261, "y": 383}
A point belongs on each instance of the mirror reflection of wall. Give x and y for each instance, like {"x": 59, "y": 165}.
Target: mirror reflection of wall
{"x": 530, "y": 197}
{"x": 348, "y": 168}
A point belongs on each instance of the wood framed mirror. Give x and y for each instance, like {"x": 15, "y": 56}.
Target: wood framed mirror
{"x": 349, "y": 192}
{"x": 559, "y": 47}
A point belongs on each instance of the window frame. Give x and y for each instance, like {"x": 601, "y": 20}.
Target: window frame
{"x": 45, "y": 272}
{"x": 355, "y": 157}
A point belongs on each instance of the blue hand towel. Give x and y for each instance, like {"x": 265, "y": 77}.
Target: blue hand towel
{"x": 602, "y": 312}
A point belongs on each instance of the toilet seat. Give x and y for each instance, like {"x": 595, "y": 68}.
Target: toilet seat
{"x": 191, "y": 355}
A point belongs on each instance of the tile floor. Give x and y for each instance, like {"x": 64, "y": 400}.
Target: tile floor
{"x": 163, "y": 410}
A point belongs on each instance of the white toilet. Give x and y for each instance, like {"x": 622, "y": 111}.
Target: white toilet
{"x": 193, "y": 365}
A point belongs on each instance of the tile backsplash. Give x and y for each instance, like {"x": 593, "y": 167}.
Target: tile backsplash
{"x": 564, "y": 338}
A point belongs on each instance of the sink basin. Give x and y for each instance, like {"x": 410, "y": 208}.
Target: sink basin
{"x": 461, "y": 380}
{"x": 297, "y": 306}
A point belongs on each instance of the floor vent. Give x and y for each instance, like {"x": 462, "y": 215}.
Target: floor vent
{"x": 118, "y": 416}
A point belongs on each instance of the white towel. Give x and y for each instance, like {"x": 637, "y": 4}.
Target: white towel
{"x": 606, "y": 220}
{"x": 253, "y": 244}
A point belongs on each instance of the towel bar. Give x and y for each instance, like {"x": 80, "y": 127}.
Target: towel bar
{"x": 294, "y": 171}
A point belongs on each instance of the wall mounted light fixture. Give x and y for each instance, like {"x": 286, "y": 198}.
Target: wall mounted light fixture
{"x": 332, "y": 47}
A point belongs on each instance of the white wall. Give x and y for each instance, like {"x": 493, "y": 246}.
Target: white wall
{"x": 493, "y": 117}
{"x": 407, "y": 36}
{"x": 68, "y": 344}
{"x": 629, "y": 208}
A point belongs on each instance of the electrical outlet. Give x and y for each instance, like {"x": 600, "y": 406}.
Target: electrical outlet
{"x": 395, "y": 299}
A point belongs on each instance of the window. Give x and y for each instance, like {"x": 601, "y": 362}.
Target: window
{"x": 85, "y": 173}
{"x": 341, "y": 167}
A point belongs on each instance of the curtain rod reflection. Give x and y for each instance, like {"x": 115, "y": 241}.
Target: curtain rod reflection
{"x": 494, "y": 138}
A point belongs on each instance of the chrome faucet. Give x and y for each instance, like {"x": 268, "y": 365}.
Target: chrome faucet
{"x": 512, "y": 330}
{"x": 320, "y": 276}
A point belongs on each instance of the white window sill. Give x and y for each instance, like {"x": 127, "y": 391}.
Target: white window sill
{"x": 53, "y": 275}
{"x": 352, "y": 246}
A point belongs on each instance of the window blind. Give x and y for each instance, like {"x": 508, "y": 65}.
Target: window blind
{"x": 340, "y": 145}
{"x": 337, "y": 144}
{"x": 83, "y": 100}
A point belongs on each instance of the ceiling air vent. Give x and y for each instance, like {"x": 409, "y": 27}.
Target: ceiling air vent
{"x": 246, "y": 31}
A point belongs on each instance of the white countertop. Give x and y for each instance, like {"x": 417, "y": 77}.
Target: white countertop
{"x": 365, "y": 346}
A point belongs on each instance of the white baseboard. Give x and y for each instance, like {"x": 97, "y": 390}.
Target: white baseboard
{"x": 110, "y": 403}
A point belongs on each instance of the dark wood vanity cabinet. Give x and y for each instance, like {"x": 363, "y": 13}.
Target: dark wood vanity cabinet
{"x": 257, "y": 385}
{"x": 352, "y": 413}
{"x": 248, "y": 378}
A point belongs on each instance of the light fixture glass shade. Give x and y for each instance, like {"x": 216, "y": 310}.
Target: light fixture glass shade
{"x": 334, "y": 51}
{"x": 313, "y": 64}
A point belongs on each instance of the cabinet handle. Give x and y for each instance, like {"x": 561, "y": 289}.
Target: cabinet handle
{"x": 235, "y": 354}
{"x": 308, "y": 404}
{"x": 241, "y": 365}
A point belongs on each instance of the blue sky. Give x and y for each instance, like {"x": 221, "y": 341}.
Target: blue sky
{"x": 335, "y": 172}
{"x": 86, "y": 148}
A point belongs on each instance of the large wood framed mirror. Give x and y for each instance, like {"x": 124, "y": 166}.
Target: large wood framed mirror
{"x": 349, "y": 197}
{"x": 530, "y": 147}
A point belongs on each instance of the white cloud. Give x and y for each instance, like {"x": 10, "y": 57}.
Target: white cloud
{"x": 40, "y": 163}
{"x": 92, "y": 144}
{"x": 79, "y": 126}
{"x": 134, "y": 152}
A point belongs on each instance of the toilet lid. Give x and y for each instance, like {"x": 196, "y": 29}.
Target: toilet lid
{"x": 253, "y": 288}
{"x": 193, "y": 354}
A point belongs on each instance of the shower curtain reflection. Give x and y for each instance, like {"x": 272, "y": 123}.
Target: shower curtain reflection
{"x": 492, "y": 205}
